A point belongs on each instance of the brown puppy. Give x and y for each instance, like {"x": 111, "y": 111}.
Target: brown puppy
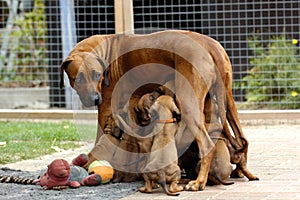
{"x": 162, "y": 164}
{"x": 129, "y": 156}
{"x": 225, "y": 154}
{"x": 220, "y": 168}
{"x": 202, "y": 65}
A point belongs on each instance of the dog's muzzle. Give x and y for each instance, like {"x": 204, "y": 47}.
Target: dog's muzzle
{"x": 91, "y": 100}
{"x": 97, "y": 99}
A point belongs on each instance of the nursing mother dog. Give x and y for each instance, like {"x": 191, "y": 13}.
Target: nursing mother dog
{"x": 106, "y": 69}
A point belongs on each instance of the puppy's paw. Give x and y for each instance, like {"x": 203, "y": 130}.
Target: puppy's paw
{"x": 176, "y": 188}
{"x": 237, "y": 173}
{"x": 254, "y": 178}
{"x": 145, "y": 190}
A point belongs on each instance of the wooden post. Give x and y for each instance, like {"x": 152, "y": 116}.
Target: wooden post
{"x": 124, "y": 16}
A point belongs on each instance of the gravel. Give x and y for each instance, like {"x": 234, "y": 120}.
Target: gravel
{"x": 17, "y": 191}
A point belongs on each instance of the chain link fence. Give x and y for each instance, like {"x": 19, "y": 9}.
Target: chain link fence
{"x": 261, "y": 38}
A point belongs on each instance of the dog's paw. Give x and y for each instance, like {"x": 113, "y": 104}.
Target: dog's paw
{"x": 254, "y": 178}
{"x": 145, "y": 190}
{"x": 195, "y": 186}
{"x": 176, "y": 188}
{"x": 237, "y": 173}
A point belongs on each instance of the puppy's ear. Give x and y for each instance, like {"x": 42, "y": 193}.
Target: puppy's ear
{"x": 152, "y": 97}
{"x": 63, "y": 67}
{"x": 136, "y": 109}
{"x": 175, "y": 109}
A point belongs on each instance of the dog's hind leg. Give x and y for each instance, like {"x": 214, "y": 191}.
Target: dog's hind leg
{"x": 219, "y": 91}
{"x": 232, "y": 117}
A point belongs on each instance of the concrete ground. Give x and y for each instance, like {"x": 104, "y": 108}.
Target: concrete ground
{"x": 274, "y": 156}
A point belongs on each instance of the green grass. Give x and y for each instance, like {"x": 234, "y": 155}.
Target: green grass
{"x": 26, "y": 140}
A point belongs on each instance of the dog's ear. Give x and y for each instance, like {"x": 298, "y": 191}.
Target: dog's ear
{"x": 106, "y": 80}
{"x": 175, "y": 109}
{"x": 63, "y": 67}
{"x": 105, "y": 71}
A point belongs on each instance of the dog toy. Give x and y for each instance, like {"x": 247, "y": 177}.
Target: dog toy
{"x": 17, "y": 180}
{"x": 61, "y": 174}
{"x": 101, "y": 167}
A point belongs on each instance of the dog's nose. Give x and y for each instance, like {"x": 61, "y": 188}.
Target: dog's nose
{"x": 97, "y": 98}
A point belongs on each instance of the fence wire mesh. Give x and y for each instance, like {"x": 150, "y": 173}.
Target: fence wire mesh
{"x": 261, "y": 38}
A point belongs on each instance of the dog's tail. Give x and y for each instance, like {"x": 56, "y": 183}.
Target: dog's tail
{"x": 217, "y": 180}
{"x": 245, "y": 145}
{"x": 162, "y": 182}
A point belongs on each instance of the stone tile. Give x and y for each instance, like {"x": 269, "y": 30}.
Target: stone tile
{"x": 274, "y": 156}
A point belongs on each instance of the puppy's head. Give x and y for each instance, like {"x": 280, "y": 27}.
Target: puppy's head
{"x": 144, "y": 104}
{"x": 86, "y": 73}
{"x": 142, "y": 108}
{"x": 164, "y": 107}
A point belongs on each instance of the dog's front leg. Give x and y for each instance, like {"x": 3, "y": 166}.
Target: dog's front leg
{"x": 207, "y": 150}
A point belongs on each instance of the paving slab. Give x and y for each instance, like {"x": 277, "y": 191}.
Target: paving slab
{"x": 274, "y": 156}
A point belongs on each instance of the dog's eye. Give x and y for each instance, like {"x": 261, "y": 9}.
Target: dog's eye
{"x": 79, "y": 78}
{"x": 97, "y": 76}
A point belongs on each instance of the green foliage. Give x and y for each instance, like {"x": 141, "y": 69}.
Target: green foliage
{"x": 274, "y": 79}
{"x": 28, "y": 46}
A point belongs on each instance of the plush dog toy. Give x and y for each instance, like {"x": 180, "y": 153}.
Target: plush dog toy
{"x": 60, "y": 173}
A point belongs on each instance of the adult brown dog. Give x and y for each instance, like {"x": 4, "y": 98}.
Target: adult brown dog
{"x": 201, "y": 65}
{"x": 162, "y": 165}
